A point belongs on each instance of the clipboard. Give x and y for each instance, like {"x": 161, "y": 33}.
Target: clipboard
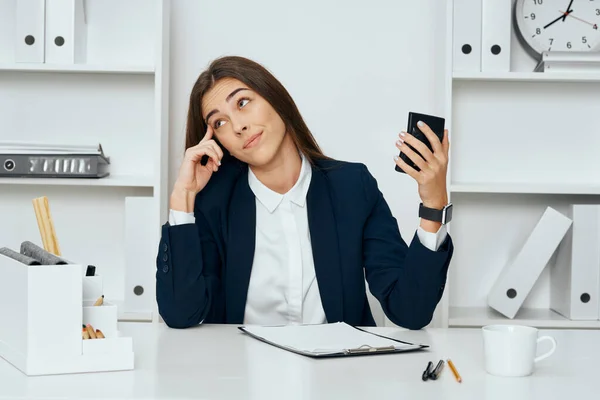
{"x": 335, "y": 340}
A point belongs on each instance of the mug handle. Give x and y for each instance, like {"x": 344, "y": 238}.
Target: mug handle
{"x": 549, "y": 353}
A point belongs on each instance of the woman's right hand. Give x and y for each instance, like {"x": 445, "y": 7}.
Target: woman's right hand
{"x": 193, "y": 176}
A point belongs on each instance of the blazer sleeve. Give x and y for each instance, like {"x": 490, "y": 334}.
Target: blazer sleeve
{"x": 408, "y": 281}
{"x": 187, "y": 276}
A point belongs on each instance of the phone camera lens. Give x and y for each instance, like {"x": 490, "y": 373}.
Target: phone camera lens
{"x": 9, "y": 165}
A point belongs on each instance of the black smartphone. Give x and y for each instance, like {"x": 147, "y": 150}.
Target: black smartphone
{"x": 435, "y": 123}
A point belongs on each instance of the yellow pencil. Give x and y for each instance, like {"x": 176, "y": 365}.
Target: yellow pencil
{"x": 91, "y": 331}
{"x": 99, "y": 301}
{"x": 46, "y": 225}
{"x": 454, "y": 371}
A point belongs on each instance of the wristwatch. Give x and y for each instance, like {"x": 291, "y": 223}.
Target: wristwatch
{"x": 433, "y": 214}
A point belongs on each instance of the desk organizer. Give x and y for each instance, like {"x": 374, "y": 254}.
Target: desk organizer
{"x": 42, "y": 310}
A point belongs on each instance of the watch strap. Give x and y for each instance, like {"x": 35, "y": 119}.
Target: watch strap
{"x": 430, "y": 214}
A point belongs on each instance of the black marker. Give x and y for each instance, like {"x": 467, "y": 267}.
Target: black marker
{"x": 437, "y": 371}
{"x": 427, "y": 371}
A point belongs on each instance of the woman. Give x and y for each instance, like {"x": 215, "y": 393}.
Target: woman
{"x": 270, "y": 231}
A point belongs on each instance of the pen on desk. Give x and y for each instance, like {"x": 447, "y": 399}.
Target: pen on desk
{"x": 427, "y": 371}
{"x": 454, "y": 371}
{"x": 435, "y": 374}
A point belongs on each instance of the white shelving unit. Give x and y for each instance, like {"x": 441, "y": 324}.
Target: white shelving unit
{"x": 109, "y": 181}
{"x": 79, "y": 68}
{"x": 118, "y": 98}
{"x": 526, "y": 76}
{"x": 539, "y": 188}
{"x": 520, "y": 141}
{"x": 538, "y": 317}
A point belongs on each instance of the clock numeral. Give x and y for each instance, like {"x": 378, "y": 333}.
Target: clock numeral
{"x": 584, "y": 40}
{"x": 568, "y": 45}
{"x": 551, "y": 40}
{"x": 533, "y": 16}
{"x": 597, "y": 11}
{"x": 538, "y": 31}
{"x": 538, "y": 1}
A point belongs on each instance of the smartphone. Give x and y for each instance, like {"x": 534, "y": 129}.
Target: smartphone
{"x": 435, "y": 123}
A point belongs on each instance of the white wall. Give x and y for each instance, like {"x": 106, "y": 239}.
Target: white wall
{"x": 354, "y": 68}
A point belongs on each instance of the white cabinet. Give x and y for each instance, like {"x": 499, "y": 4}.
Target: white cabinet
{"x": 520, "y": 141}
{"x": 119, "y": 98}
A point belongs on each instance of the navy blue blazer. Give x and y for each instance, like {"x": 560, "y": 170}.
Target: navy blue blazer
{"x": 203, "y": 269}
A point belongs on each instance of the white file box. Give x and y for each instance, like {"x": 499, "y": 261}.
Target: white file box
{"x": 466, "y": 40}
{"x": 29, "y": 32}
{"x": 140, "y": 256}
{"x": 518, "y": 277}
{"x": 575, "y": 278}
{"x": 495, "y": 35}
{"x": 41, "y": 311}
{"x": 66, "y": 32}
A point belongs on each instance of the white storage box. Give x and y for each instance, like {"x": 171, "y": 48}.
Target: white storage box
{"x": 92, "y": 287}
{"x": 41, "y": 317}
{"x": 102, "y": 317}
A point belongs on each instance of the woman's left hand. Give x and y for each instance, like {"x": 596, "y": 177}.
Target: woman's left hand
{"x": 434, "y": 165}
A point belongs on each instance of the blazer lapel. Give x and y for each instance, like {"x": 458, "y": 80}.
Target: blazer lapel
{"x": 240, "y": 250}
{"x": 324, "y": 239}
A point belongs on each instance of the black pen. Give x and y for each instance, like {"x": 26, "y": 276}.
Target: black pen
{"x": 427, "y": 371}
{"x": 437, "y": 371}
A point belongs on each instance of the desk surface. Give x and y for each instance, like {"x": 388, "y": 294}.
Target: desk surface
{"x": 220, "y": 362}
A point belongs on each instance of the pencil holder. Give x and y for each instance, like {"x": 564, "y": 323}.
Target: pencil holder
{"x": 92, "y": 287}
{"x": 42, "y": 311}
{"x": 103, "y": 317}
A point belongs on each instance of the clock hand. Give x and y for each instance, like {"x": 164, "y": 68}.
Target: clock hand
{"x": 579, "y": 19}
{"x": 557, "y": 19}
{"x": 568, "y": 11}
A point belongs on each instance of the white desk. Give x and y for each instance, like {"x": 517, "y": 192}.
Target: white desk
{"x": 220, "y": 362}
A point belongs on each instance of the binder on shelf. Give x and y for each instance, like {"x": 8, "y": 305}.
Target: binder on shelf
{"x": 66, "y": 32}
{"x": 569, "y": 61}
{"x": 518, "y": 277}
{"x": 30, "y": 31}
{"x": 495, "y": 35}
{"x": 140, "y": 258}
{"x": 575, "y": 278}
{"x": 466, "y": 39}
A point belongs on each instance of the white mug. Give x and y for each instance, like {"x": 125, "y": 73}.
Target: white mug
{"x": 510, "y": 350}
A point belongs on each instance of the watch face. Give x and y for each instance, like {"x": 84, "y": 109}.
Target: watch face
{"x": 558, "y": 25}
{"x": 448, "y": 214}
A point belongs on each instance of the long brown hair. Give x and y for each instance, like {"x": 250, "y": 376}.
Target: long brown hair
{"x": 260, "y": 80}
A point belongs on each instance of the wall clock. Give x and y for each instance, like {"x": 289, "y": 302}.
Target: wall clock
{"x": 557, "y": 25}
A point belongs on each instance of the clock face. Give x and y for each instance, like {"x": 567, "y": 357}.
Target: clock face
{"x": 558, "y": 25}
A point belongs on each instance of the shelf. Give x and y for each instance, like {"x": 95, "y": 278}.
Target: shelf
{"x": 78, "y": 68}
{"x": 539, "y": 318}
{"x": 527, "y": 76}
{"x": 137, "y": 316}
{"x": 529, "y": 188}
{"x": 111, "y": 180}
